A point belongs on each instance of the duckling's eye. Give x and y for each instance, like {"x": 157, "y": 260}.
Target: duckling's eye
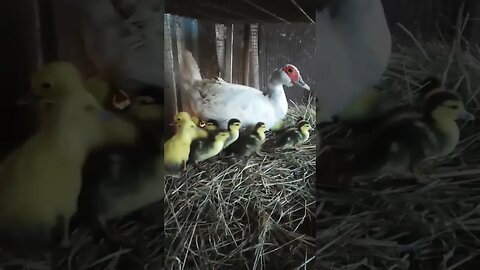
{"x": 454, "y": 107}
{"x": 46, "y": 85}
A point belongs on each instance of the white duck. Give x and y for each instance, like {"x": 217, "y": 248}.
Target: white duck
{"x": 353, "y": 49}
{"x": 222, "y": 101}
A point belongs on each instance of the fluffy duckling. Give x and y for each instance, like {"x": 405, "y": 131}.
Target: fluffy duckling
{"x": 121, "y": 179}
{"x": 249, "y": 143}
{"x": 405, "y": 142}
{"x": 203, "y": 149}
{"x": 177, "y": 149}
{"x": 234, "y": 126}
{"x": 211, "y": 125}
{"x": 40, "y": 181}
{"x": 372, "y": 120}
{"x": 294, "y": 137}
{"x": 184, "y": 117}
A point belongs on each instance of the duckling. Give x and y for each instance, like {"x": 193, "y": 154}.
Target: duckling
{"x": 211, "y": 125}
{"x": 203, "y": 149}
{"x": 249, "y": 143}
{"x": 40, "y": 181}
{"x": 177, "y": 149}
{"x": 121, "y": 179}
{"x": 234, "y": 126}
{"x": 369, "y": 121}
{"x": 404, "y": 143}
{"x": 184, "y": 117}
{"x": 294, "y": 137}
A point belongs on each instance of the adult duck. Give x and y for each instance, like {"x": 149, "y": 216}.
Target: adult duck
{"x": 219, "y": 100}
{"x": 353, "y": 48}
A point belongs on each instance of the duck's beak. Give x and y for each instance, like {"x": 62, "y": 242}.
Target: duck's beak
{"x": 466, "y": 116}
{"x": 302, "y": 84}
{"x": 172, "y": 124}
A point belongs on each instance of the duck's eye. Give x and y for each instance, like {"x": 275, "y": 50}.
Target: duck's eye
{"x": 46, "y": 85}
{"x": 454, "y": 107}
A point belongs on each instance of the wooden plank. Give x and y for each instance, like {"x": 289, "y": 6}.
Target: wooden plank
{"x": 254, "y": 64}
{"x": 247, "y": 48}
{"x": 229, "y": 53}
{"x": 170, "y": 95}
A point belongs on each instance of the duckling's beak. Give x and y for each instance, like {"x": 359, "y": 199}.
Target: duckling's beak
{"x": 29, "y": 98}
{"x": 466, "y": 116}
{"x": 302, "y": 84}
{"x": 172, "y": 124}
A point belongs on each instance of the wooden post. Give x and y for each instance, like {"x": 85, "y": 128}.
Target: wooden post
{"x": 229, "y": 53}
{"x": 254, "y": 75}
{"x": 170, "y": 89}
{"x": 247, "y": 45}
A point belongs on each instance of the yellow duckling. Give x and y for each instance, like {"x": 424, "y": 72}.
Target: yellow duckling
{"x": 248, "y": 144}
{"x": 184, "y": 117}
{"x": 40, "y": 181}
{"x": 203, "y": 149}
{"x": 177, "y": 149}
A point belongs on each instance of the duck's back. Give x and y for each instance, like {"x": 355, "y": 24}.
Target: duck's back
{"x": 353, "y": 48}
{"x": 223, "y": 101}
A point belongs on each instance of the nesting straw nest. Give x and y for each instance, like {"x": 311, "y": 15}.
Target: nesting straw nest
{"x": 252, "y": 215}
{"x": 389, "y": 224}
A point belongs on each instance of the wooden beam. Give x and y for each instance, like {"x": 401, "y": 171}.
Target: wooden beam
{"x": 229, "y": 53}
{"x": 247, "y": 48}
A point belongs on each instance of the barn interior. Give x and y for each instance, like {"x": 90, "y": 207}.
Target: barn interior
{"x": 258, "y": 213}
{"x": 389, "y": 221}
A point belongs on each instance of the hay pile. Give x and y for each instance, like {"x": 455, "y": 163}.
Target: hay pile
{"x": 141, "y": 243}
{"x": 387, "y": 224}
{"x": 255, "y": 215}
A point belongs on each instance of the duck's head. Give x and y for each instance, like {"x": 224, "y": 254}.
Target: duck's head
{"x": 288, "y": 76}
{"x": 446, "y": 106}
{"x": 260, "y": 128}
{"x": 211, "y": 125}
{"x": 181, "y": 117}
{"x": 187, "y": 127}
{"x": 222, "y": 136}
{"x": 55, "y": 80}
{"x": 234, "y": 124}
{"x": 304, "y": 126}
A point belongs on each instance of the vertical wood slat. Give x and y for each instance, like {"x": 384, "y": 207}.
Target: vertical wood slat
{"x": 247, "y": 45}
{"x": 229, "y": 53}
{"x": 254, "y": 65}
{"x": 170, "y": 94}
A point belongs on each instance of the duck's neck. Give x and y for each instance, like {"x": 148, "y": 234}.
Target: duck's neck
{"x": 305, "y": 134}
{"x": 277, "y": 97}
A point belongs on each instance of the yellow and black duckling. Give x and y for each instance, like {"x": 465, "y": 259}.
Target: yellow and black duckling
{"x": 123, "y": 178}
{"x": 234, "y": 126}
{"x": 367, "y": 115}
{"x": 403, "y": 143}
{"x": 177, "y": 148}
{"x": 295, "y": 136}
{"x": 40, "y": 181}
{"x": 247, "y": 144}
{"x": 211, "y": 125}
{"x": 203, "y": 149}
